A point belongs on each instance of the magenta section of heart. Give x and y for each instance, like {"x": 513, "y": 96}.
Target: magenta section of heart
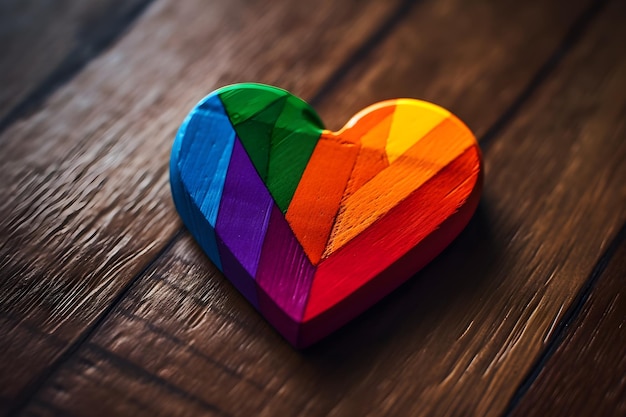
{"x": 284, "y": 272}
{"x": 242, "y": 221}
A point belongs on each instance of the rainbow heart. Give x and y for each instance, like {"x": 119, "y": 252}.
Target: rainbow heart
{"x": 314, "y": 226}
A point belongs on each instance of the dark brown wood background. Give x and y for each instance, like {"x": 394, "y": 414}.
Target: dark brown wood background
{"x": 108, "y": 307}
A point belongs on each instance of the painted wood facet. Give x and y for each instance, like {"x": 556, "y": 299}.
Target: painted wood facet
{"x": 314, "y": 226}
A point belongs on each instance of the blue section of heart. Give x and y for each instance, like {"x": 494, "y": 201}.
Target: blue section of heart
{"x": 198, "y": 166}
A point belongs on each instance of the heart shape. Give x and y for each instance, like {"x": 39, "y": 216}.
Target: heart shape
{"x": 314, "y": 226}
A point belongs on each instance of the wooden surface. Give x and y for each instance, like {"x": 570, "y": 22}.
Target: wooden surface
{"x": 584, "y": 372}
{"x": 45, "y": 43}
{"x": 108, "y": 307}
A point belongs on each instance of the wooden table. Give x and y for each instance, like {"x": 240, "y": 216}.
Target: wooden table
{"x": 108, "y": 307}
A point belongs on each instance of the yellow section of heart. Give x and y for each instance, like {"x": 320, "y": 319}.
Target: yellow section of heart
{"x": 422, "y": 139}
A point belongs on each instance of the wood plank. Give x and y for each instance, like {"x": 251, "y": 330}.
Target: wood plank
{"x": 171, "y": 399}
{"x": 21, "y": 341}
{"x": 585, "y": 375}
{"x": 440, "y": 54}
{"x": 85, "y": 201}
{"x": 45, "y": 42}
{"x": 459, "y": 337}
{"x": 200, "y": 373}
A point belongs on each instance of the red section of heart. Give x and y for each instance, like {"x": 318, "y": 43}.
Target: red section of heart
{"x": 399, "y": 216}
{"x": 376, "y": 261}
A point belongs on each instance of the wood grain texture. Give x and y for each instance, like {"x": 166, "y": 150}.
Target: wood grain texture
{"x": 184, "y": 367}
{"x": 43, "y": 42}
{"x": 585, "y": 375}
{"x": 450, "y": 341}
{"x": 84, "y": 199}
{"x": 473, "y": 58}
{"x": 457, "y": 340}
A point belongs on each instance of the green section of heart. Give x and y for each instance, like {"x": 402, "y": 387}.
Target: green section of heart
{"x": 278, "y": 131}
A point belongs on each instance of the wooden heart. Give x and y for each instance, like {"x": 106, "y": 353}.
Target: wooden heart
{"x": 314, "y": 226}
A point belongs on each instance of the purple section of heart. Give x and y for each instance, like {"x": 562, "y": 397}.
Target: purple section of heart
{"x": 242, "y": 221}
{"x": 237, "y": 275}
{"x": 284, "y": 273}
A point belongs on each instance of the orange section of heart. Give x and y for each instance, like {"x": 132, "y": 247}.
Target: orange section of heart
{"x": 356, "y": 175}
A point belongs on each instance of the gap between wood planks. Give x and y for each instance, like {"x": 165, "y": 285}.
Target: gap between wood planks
{"x": 377, "y": 36}
{"x": 24, "y": 397}
{"x": 95, "y": 42}
{"x": 570, "y": 316}
{"x": 571, "y": 39}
